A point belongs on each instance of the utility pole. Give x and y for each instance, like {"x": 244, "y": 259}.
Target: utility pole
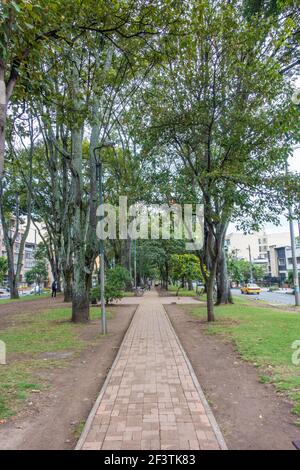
{"x": 250, "y": 259}
{"x": 293, "y": 246}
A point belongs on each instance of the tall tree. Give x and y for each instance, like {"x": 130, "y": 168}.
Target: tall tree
{"x": 221, "y": 106}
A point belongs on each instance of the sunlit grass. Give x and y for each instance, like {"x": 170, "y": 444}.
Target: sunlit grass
{"x": 263, "y": 336}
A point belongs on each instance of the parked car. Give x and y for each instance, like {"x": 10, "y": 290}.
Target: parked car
{"x": 250, "y": 289}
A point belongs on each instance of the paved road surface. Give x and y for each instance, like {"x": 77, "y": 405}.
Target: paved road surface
{"x": 271, "y": 297}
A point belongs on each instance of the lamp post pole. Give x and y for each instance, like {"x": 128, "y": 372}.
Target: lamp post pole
{"x": 134, "y": 265}
{"x": 293, "y": 247}
{"x": 99, "y": 175}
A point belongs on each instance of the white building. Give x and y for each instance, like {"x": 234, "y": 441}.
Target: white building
{"x": 259, "y": 243}
{"x": 31, "y": 243}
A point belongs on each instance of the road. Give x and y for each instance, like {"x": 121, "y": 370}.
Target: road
{"x": 270, "y": 297}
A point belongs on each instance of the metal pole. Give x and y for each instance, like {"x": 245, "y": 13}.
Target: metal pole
{"x": 293, "y": 247}
{"x": 101, "y": 246}
{"x": 134, "y": 266}
{"x": 101, "y": 253}
{"x": 294, "y": 258}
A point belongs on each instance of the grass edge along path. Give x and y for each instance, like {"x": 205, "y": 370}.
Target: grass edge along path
{"x": 263, "y": 336}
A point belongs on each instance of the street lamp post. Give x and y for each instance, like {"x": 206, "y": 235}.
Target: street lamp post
{"x": 293, "y": 247}
{"x": 99, "y": 174}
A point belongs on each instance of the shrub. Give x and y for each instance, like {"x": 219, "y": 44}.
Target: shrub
{"x": 116, "y": 280}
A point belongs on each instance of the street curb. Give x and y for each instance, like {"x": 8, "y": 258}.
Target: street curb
{"x": 93, "y": 411}
{"x": 210, "y": 415}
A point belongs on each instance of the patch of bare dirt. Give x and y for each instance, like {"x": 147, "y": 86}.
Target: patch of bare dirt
{"x": 9, "y": 311}
{"x": 251, "y": 415}
{"x": 52, "y": 419}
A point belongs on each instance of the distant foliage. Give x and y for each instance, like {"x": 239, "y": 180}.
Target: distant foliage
{"x": 3, "y": 268}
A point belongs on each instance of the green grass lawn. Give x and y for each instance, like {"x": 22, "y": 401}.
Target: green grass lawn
{"x": 33, "y": 335}
{"x": 24, "y": 298}
{"x": 263, "y": 336}
{"x": 182, "y": 292}
{"x": 127, "y": 293}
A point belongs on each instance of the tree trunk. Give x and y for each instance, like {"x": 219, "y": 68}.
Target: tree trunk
{"x": 13, "y": 284}
{"x": 3, "y": 114}
{"x": 80, "y": 305}
{"x": 210, "y": 294}
{"x": 223, "y": 289}
{"x": 68, "y": 285}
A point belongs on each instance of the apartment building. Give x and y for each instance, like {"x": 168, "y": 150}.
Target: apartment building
{"x": 281, "y": 261}
{"x": 31, "y": 243}
{"x": 259, "y": 243}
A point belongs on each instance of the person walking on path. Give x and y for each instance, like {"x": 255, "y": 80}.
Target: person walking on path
{"x": 54, "y": 288}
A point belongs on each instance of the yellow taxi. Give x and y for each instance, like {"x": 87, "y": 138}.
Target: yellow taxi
{"x": 250, "y": 289}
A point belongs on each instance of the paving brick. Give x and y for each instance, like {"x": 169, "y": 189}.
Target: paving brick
{"x": 151, "y": 401}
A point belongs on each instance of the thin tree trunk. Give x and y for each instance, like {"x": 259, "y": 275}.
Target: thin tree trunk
{"x": 12, "y": 279}
{"x": 210, "y": 293}
{"x": 223, "y": 289}
{"x": 3, "y": 114}
{"x": 68, "y": 285}
{"x": 80, "y": 298}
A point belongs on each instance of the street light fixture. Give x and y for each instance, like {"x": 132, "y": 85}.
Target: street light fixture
{"x": 99, "y": 174}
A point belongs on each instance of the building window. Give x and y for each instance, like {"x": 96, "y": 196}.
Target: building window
{"x": 290, "y": 260}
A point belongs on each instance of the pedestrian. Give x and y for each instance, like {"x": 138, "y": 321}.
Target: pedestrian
{"x": 149, "y": 284}
{"x": 54, "y": 288}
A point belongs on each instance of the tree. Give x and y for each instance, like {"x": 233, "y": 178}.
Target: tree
{"x": 3, "y": 268}
{"x": 185, "y": 268}
{"x": 119, "y": 276}
{"x": 240, "y": 270}
{"x": 24, "y": 27}
{"x": 223, "y": 110}
{"x": 117, "y": 279}
{"x": 16, "y": 197}
{"x": 39, "y": 273}
{"x": 291, "y": 278}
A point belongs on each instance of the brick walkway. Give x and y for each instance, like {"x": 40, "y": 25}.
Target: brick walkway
{"x": 151, "y": 399}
